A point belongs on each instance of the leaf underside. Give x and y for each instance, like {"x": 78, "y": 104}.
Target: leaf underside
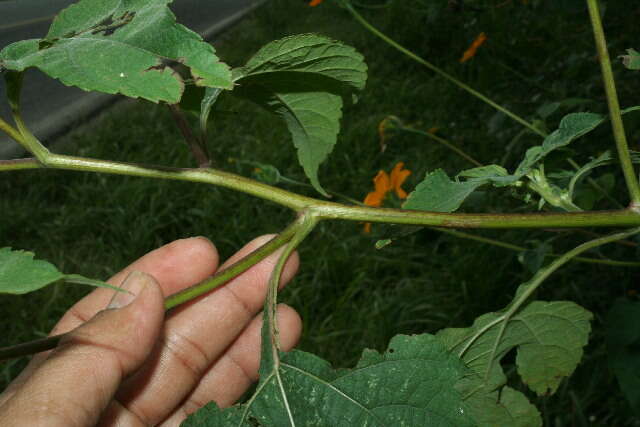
{"x": 120, "y": 47}
{"x": 305, "y": 80}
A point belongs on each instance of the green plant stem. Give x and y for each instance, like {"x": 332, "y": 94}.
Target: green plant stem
{"x": 527, "y": 289}
{"x": 444, "y": 142}
{"x": 11, "y": 131}
{"x": 188, "y": 294}
{"x": 439, "y": 71}
{"x": 614, "y": 106}
{"x": 516, "y": 248}
{"x": 332, "y": 210}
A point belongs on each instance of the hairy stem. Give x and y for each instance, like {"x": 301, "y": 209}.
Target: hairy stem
{"x": 331, "y": 210}
{"x": 614, "y": 106}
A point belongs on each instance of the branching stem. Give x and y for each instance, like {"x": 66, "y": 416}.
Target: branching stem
{"x": 614, "y": 106}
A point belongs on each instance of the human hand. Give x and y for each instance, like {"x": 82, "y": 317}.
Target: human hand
{"x": 129, "y": 366}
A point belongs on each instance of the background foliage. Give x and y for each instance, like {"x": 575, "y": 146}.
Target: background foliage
{"x": 538, "y": 60}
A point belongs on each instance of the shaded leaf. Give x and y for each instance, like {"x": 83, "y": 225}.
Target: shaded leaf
{"x": 572, "y": 126}
{"x": 496, "y": 174}
{"x": 21, "y": 274}
{"x": 548, "y": 336}
{"x": 119, "y": 47}
{"x": 631, "y": 60}
{"x": 438, "y": 193}
{"x": 410, "y": 384}
{"x": 534, "y": 258}
{"x": 305, "y": 79}
{"x": 623, "y": 348}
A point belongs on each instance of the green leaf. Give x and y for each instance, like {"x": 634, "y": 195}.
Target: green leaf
{"x": 113, "y": 46}
{"x": 438, "y": 193}
{"x": 496, "y": 174}
{"x": 305, "y": 79}
{"x": 572, "y": 126}
{"x": 410, "y": 384}
{"x": 210, "y": 97}
{"x": 21, "y": 274}
{"x": 623, "y": 348}
{"x": 631, "y": 60}
{"x": 548, "y": 336}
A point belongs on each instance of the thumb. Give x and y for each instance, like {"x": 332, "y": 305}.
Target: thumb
{"x": 77, "y": 381}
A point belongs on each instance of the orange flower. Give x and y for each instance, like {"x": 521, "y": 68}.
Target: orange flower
{"x": 471, "y": 52}
{"x": 383, "y": 184}
{"x": 314, "y": 3}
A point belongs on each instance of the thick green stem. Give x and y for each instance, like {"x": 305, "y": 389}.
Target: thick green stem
{"x": 234, "y": 270}
{"x": 440, "y": 72}
{"x": 181, "y": 297}
{"x": 11, "y": 131}
{"x": 614, "y": 106}
{"x": 330, "y": 210}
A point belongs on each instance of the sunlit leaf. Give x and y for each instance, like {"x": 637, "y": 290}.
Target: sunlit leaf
{"x": 113, "y": 46}
{"x": 623, "y": 348}
{"x": 411, "y": 383}
{"x": 305, "y": 79}
{"x": 438, "y": 193}
{"x": 549, "y": 338}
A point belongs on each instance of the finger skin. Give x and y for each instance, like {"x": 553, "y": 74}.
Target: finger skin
{"x": 177, "y": 265}
{"x": 79, "y": 378}
{"x": 195, "y": 337}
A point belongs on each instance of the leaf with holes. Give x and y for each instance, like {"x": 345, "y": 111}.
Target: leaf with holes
{"x": 548, "y": 336}
{"x": 113, "y": 46}
{"x": 411, "y": 383}
{"x": 305, "y": 79}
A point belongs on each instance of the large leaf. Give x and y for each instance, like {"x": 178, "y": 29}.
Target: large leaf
{"x": 411, "y": 384}
{"x": 548, "y": 336}
{"x": 305, "y": 79}
{"x": 623, "y": 348}
{"x": 438, "y": 193}
{"x": 21, "y": 274}
{"x": 117, "y": 46}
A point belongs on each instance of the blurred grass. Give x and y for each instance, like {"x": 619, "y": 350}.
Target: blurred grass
{"x": 350, "y": 295}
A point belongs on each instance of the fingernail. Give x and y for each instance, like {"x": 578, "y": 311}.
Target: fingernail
{"x": 133, "y": 286}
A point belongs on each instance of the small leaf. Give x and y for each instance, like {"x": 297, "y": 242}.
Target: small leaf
{"x": 21, "y": 274}
{"x": 119, "y": 47}
{"x": 631, "y": 60}
{"x": 548, "y": 336}
{"x": 496, "y": 174}
{"x": 623, "y": 348}
{"x": 411, "y": 383}
{"x": 438, "y": 193}
{"x": 534, "y": 258}
{"x": 304, "y": 79}
{"x": 572, "y": 126}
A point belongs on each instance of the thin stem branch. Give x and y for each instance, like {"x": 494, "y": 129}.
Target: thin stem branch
{"x": 198, "y": 149}
{"x": 614, "y": 106}
{"x": 331, "y": 210}
{"x": 440, "y": 72}
{"x": 444, "y": 142}
{"x": 516, "y": 248}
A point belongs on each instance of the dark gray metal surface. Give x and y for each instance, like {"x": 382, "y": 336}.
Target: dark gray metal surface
{"x": 48, "y": 106}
